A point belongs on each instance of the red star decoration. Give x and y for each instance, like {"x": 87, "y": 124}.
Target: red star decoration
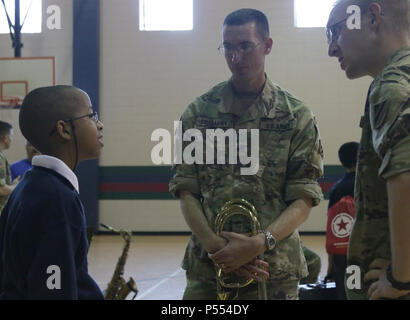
{"x": 342, "y": 225}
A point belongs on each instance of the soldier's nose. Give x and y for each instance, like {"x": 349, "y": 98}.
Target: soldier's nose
{"x": 236, "y": 57}
{"x": 333, "y": 49}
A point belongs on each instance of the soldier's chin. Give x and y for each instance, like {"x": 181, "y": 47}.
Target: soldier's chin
{"x": 352, "y": 73}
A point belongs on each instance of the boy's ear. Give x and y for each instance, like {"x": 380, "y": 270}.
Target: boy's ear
{"x": 64, "y": 130}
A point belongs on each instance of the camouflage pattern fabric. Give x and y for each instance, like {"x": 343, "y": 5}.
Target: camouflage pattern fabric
{"x": 205, "y": 289}
{"x": 5, "y": 178}
{"x": 314, "y": 266}
{"x": 290, "y": 162}
{"x": 384, "y": 151}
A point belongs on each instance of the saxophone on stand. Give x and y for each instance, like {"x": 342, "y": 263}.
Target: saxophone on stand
{"x": 225, "y": 285}
{"x": 118, "y": 288}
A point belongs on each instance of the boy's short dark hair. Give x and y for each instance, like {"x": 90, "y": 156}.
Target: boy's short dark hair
{"x": 243, "y": 16}
{"x": 5, "y": 128}
{"x": 40, "y": 111}
{"x": 348, "y": 154}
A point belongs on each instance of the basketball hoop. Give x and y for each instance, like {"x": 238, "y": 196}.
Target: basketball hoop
{"x": 11, "y": 102}
{"x": 16, "y": 90}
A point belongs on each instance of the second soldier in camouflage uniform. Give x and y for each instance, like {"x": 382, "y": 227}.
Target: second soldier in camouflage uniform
{"x": 380, "y": 234}
{"x": 284, "y": 188}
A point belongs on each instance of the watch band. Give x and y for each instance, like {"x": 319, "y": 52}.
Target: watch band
{"x": 394, "y": 283}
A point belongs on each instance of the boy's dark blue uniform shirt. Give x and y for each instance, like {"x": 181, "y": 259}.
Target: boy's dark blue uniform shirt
{"x": 43, "y": 225}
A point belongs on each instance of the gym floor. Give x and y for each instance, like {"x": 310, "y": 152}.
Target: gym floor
{"x": 154, "y": 262}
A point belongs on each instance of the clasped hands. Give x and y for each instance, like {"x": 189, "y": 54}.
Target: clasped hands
{"x": 382, "y": 287}
{"x": 238, "y": 253}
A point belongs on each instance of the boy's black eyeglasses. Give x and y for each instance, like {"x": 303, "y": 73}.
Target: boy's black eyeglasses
{"x": 93, "y": 116}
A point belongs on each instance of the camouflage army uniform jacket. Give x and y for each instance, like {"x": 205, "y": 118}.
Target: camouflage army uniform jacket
{"x": 5, "y": 178}
{"x": 290, "y": 162}
{"x": 384, "y": 151}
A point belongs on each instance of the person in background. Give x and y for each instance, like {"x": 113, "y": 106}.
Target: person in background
{"x": 7, "y": 184}
{"x": 314, "y": 265}
{"x": 18, "y": 168}
{"x": 344, "y": 187}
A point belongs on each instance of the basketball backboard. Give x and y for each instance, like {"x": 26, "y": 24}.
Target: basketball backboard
{"x": 18, "y": 76}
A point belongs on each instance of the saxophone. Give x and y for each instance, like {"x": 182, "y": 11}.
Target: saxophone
{"x": 118, "y": 288}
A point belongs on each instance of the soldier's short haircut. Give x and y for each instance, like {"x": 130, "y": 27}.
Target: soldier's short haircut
{"x": 243, "y": 16}
{"x": 42, "y": 108}
{"x": 348, "y": 154}
{"x": 5, "y": 128}
{"x": 398, "y": 11}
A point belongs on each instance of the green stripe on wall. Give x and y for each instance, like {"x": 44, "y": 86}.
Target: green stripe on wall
{"x": 136, "y": 196}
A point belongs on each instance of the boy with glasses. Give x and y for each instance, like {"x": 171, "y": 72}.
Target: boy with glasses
{"x": 43, "y": 239}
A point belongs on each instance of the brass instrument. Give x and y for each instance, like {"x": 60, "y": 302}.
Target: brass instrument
{"x": 231, "y": 208}
{"x": 118, "y": 288}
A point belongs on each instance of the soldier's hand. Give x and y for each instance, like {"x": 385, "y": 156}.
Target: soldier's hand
{"x": 377, "y": 267}
{"x": 216, "y": 244}
{"x": 257, "y": 270}
{"x": 239, "y": 251}
{"x": 383, "y": 289}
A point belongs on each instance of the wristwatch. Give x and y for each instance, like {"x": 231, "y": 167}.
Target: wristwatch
{"x": 394, "y": 283}
{"x": 270, "y": 241}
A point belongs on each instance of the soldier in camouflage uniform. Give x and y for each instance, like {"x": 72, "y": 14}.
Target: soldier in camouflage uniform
{"x": 380, "y": 238}
{"x": 6, "y": 185}
{"x": 284, "y": 188}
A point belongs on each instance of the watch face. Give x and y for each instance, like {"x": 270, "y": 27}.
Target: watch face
{"x": 270, "y": 240}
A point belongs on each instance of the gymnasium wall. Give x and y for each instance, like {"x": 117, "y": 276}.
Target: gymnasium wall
{"x": 148, "y": 78}
{"x": 55, "y": 43}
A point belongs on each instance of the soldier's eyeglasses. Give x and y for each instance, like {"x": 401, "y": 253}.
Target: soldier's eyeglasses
{"x": 333, "y": 31}
{"x": 243, "y": 48}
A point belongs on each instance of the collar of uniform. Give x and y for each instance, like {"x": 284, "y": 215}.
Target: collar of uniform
{"x": 58, "y": 166}
{"x": 394, "y": 58}
{"x": 264, "y": 109}
{"x": 399, "y": 54}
